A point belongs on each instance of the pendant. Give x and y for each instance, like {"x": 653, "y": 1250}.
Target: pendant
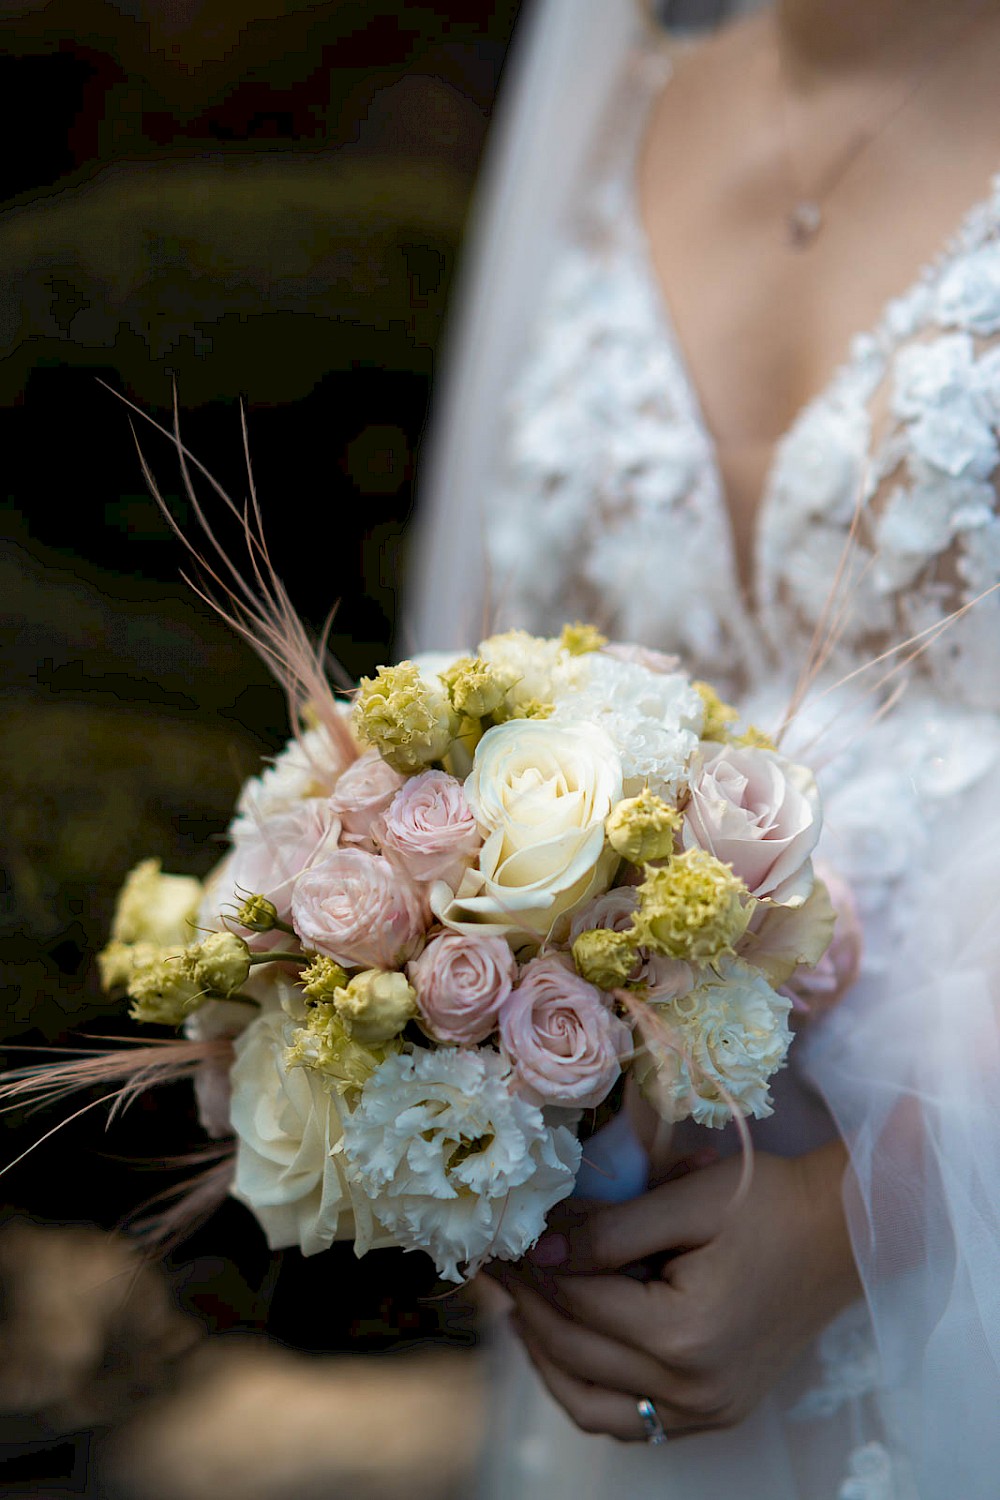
{"x": 804, "y": 223}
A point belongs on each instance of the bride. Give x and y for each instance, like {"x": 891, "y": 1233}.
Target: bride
{"x": 726, "y": 381}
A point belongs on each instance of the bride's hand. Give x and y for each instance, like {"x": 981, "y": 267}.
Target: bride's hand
{"x": 744, "y": 1290}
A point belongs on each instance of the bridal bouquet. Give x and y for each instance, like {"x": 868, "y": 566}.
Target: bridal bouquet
{"x": 455, "y": 908}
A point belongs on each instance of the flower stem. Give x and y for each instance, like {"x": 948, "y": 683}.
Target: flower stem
{"x": 277, "y": 957}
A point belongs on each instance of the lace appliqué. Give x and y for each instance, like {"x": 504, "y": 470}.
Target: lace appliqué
{"x": 848, "y": 1362}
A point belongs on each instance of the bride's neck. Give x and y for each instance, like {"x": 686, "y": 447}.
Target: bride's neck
{"x": 829, "y": 36}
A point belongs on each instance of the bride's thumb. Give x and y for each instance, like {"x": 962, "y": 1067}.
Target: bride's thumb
{"x": 615, "y": 1237}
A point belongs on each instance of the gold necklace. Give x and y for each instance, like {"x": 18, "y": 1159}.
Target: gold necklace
{"x": 805, "y": 218}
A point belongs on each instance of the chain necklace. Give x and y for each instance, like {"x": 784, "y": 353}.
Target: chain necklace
{"x": 805, "y": 218}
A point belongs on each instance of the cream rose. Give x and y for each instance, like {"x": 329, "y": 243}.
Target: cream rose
{"x": 540, "y": 793}
{"x": 286, "y": 1125}
{"x": 760, "y": 813}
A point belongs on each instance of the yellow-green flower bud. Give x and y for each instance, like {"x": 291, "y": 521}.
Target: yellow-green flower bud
{"x": 718, "y": 715}
{"x": 257, "y": 913}
{"x": 641, "y": 829}
{"x": 325, "y": 1044}
{"x": 322, "y": 978}
{"x": 605, "y": 958}
{"x": 221, "y": 962}
{"x": 694, "y": 908}
{"x": 578, "y": 639}
{"x": 376, "y": 1005}
{"x": 163, "y": 993}
{"x": 406, "y": 716}
{"x": 475, "y": 688}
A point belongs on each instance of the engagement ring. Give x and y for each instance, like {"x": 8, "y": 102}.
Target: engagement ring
{"x": 655, "y": 1432}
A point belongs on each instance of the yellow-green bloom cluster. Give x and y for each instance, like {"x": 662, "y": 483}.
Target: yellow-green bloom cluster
{"x": 406, "y": 716}
{"x": 324, "y": 1043}
{"x": 641, "y": 829}
{"x": 579, "y": 638}
{"x": 754, "y": 739}
{"x": 119, "y": 961}
{"x": 694, "y": 908}
{"x": 156, "y": 908}
{"x": 165, "y": 991}
{"x": 322, "y": 978}
{"x": 719, "y": 716}
{"x": 475, "y": 687}
{"x": 604, "y": 957}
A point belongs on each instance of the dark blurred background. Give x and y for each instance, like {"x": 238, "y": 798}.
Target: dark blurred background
{"x": 260, "y": 201}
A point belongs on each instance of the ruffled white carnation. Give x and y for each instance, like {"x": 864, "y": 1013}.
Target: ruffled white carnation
{"x": 539, "y": 669}
{"x": 729, "y": 1035}
{"x": 453, "y": 1162}
{"x": 653, "y": 719}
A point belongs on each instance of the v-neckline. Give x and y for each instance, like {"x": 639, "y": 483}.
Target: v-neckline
{"x": 883, "y": 336}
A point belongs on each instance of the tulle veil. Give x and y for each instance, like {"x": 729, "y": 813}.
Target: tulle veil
{"x": 909, "y": 1066}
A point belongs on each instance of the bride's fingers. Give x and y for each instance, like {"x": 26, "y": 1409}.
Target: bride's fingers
{"x": 596, "y": 1410}
{"x": 588, "y": 1355}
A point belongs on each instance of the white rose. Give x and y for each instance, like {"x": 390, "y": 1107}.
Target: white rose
{"x": 286, "y": 1124}
{"x": 540, "y": 793}
{"x": 156, "y": 908}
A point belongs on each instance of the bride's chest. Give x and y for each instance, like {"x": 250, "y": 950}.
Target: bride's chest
{"x": 877, "y": 514}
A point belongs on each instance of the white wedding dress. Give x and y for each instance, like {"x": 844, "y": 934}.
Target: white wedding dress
{"x": 605, "y": 504}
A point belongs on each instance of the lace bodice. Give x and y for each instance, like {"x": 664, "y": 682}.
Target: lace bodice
{"x": 611, "y": 470}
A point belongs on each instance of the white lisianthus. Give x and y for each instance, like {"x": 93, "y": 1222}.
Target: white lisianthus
{"x": 286, "y": 1125}
{"x": 540, "y": 793}
{"x": 453, "y": 1162}
{"x": 539, "y": 670}
{"x": 156, "y": 908}
{"x": 728, "y": 1035}
{"x": 653, "y": 719}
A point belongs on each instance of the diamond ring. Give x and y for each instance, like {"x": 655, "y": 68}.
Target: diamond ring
{"x": 655, "y": 1431}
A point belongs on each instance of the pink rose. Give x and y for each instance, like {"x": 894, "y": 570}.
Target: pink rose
{"x": 269, "y": 854}
{"x": 461, "y": 984}
{"x": 760, "y": 813}
{"x": 642, "y": 656}
{"x": 358, "y": 909}
{"x": 562, "y": 1040}
{"x": 363, "y": 793}
{"x": 818, "y": 989}
{"x": 428, "y": 829}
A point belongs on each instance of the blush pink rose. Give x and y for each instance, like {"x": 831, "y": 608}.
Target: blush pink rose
{"x": 359, "y": 909}
{"x": 760, "y": 813}
{"x": 815, "y": 990}
{"x": 270, "y": 853}
{"x": 363, "y": 793}
{"x": 461, "y": 984}
{"x": 560, "y": 1036}
{"x": 428, "y": 829}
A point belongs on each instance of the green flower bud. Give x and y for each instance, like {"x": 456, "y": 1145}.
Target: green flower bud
{"x": 322, "y": 978}
{"x": 376, "y": 1005}
{"x": 221, "y": 962}
{"x": 641, "y": 829}
{"x": 475, "y": 688}
{"x": 718, "y": 715}
{"x": 605, "y": 958}
{"x": 257, "y": 913}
